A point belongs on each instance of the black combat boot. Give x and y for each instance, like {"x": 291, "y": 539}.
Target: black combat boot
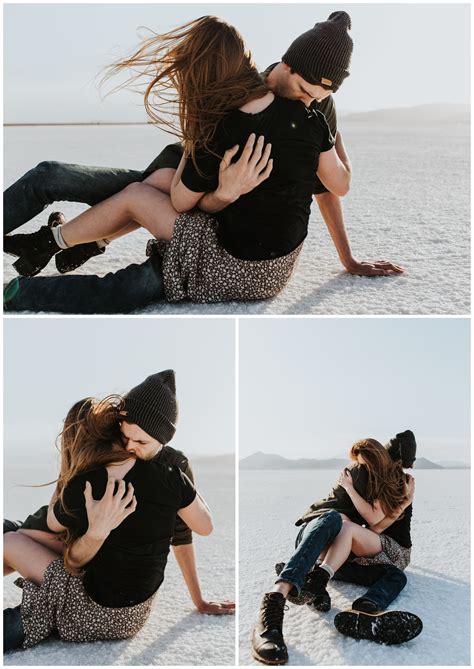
{"x": 72, "y": 258}
{"x": 315, "y": 585}
{"x": 268, "y": 645}
{"x": 389, "y": 627}
{"x": 17, "y": 245}
{"x": 11, "y": 525}
{"x": 13, "y": 632}
{"x": 39, "y": 248}
{"x": 313, "y": 591}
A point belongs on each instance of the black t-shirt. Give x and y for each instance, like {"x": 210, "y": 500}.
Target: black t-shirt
{"x": 129, "y": 566}
{"x": 339, "y": 500}
{"x": 272, "y": 219}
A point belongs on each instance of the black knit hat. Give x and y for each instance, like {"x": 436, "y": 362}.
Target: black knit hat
{"x": 403, "y": 447}
{"x": 152, "y": 406}
{"x": 322, "y": 55}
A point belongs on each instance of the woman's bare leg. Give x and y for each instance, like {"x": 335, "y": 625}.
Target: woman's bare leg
{"x": 352, "y": 539}
{"x": 26, "y": 556}
{"x": 138, "y": 202}
{"x": 48, "y": 539}
{"x": 160, "y": 179}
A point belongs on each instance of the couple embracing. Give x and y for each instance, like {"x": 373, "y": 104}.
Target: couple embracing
{"x": 92, "y": 562}
{"x": 228, "y": 207}
{"x": 361, "y": 533}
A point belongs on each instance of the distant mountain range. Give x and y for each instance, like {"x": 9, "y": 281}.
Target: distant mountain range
{"x": 261, "y": 460}
{"x": 430, "y": 113}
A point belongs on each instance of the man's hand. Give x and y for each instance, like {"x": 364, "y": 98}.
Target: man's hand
{"x": 216, "y": 608}
{"x": 379, "y": 268}
{"x": 253, "y": 167}
{"x": 106, "y": 514}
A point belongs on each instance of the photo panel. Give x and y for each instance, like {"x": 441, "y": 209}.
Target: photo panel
{"x": 354, "y": 491}
{"x": 148, "y": 404}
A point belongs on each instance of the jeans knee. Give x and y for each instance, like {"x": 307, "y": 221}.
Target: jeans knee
{"x": 335, "y": 518}
{"x": 48, "y": 169}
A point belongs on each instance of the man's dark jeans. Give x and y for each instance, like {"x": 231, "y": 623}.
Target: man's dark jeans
{"x": 121, "y": 292}
{"x": 386, "y": 581}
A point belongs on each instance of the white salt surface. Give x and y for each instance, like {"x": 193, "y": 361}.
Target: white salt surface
{"x": 175, "y": 634}
{"x": 438, "y": 577}
{"x": 409, "y": 203}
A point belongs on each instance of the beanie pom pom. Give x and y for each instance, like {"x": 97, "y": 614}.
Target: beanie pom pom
{"x": 342, "y": 18}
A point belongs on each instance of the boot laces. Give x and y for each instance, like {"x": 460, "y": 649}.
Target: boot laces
{"x": 272, "y": 614}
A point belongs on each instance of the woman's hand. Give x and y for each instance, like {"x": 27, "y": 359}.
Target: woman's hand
{"x": 345, "y": 480}
{"x": 253, "y": 167}
{"x": 106, "y": 514}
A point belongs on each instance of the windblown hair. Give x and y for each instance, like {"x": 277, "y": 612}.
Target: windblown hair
{"x": 88, "y": 440}
{"x": 196, "y": 74}
{"x": 386, "y": 481}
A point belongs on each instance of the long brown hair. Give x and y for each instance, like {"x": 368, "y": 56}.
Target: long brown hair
{"x": 196, "y": 74}
{"x": 386, "y": 481}
{"x": 88, "y": 440}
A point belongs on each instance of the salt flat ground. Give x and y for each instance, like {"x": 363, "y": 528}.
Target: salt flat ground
{"x": 175, "y": 634}
{"x": 409, "y": 203}
{"x": 438, "y": 577}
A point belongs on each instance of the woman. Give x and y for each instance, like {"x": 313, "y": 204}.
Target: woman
{"x": 245, "y": 241}
{"x": 113, "y": 556}
{"x": 329, "y": 537}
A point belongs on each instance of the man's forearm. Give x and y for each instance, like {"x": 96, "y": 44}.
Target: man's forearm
{"x": 213, "y": 202}
{"x": 186, "y": 560}
{"x": 331, "y": 211}
{"x": 83, "y": 549}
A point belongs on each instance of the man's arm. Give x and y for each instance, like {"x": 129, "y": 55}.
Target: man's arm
{"x": 236, "y": 179}
{"x": 103, "y": 516}
{"x": 186, "y": 560}
{"x": 331, "y": 212}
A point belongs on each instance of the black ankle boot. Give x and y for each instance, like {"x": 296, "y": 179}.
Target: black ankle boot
{"x": 17, "y": 245}
{"x": 313, "y": 591}
{"x": 72, "y": 258}
{"x": 315, "y": 585}
{"x": 13, "y": 632}
{"x": 11, "y": 525}
{"x": 40, "y": 247}
{"x": 389, "y": 627}
{"x": 268, "y": 645}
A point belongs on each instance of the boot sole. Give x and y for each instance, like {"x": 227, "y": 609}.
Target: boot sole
{"x": 391, "y": 627}
{"x": 256, "y": 656}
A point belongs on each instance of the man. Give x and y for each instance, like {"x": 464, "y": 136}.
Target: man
{"x": 365, "y": 620}
{"x": 296, "y": 77}
{"x": 149, "y": 422}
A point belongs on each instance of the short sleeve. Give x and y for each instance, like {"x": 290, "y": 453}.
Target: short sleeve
{"x": 205, "y": 177}
{"x": 187, "y": 490}
{"x": 328, "y": 108}
{"x": 328, "y": 140}
{"x": 72, "y": 514}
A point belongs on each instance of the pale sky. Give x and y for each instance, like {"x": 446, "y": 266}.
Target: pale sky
{"x": 404, "y": 55}
{"x": 312, "y": 387}
{"x": 50, "y": 363}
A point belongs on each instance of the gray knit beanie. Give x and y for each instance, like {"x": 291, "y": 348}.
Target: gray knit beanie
{"x": 322, "y": 55}
{"x": 152, "y": 406}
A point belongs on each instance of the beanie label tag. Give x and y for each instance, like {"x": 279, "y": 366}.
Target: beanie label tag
{"x": 326, "y": 82}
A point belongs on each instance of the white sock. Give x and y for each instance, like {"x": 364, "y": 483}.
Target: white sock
{"x": 327, "y": 568}
{"x": 58, "y": 237}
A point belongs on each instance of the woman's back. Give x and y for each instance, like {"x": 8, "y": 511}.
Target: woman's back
{"x": 129, "y": 567}
{"x": 271, "y": 220}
